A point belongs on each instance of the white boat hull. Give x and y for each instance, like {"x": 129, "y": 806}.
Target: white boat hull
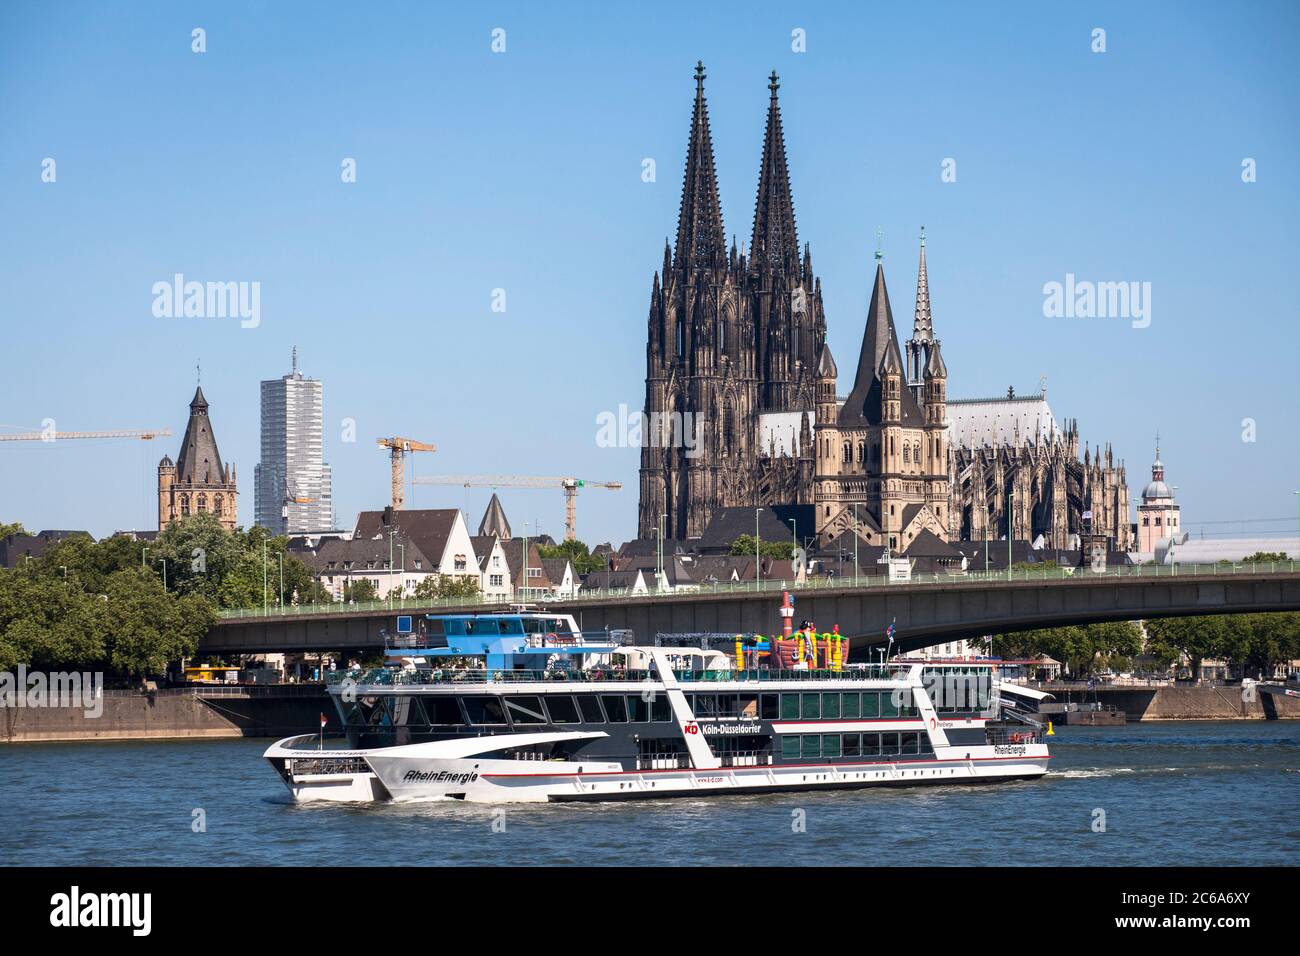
{"x": 413, "y": 773}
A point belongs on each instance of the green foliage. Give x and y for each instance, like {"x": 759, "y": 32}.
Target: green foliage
{"x": 1265, "y": 556}
{"x": 90, "y": 605}
{"x": 778, "y": 550}
{"x": 360, "y": 590}
{"x": 577, "y": 552}
{"x": 1259, "y": 643}
{"x": 15, "y": 527}
{"x": 1084, "y": 649}
{"x": 446, "y": 586}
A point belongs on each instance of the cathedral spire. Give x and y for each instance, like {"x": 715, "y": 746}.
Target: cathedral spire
{"x": 775, "y": 242}
{"x": 701, "y": 240}
{"x": 923, "y": 325}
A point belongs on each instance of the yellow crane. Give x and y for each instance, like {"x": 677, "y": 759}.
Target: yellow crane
{"x": 57, "y": 436}
{"x": 570, "y": 486}
{"x": 400, "y": 447}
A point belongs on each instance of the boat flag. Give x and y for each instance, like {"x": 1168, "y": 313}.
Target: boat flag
{"x": 323, "y": 721}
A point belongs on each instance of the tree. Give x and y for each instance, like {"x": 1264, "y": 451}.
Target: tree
{"x": 15, "y": 527}
{"x": 360, "y": 590}
{"x": 1084, "y": 649}
{"x": 577, "y": 552}
{"x": 1266, "y": 556}
{"x": 1195, "y": 638}
{"x": 778, "y": 550}
{"x": 446, "y": 586}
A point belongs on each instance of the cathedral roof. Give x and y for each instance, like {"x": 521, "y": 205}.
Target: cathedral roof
{"x": 879, "y": 352}
{"x": 981, "y": 422}
{"x": 199, "y": 461}
{"x": 701, "y": 240}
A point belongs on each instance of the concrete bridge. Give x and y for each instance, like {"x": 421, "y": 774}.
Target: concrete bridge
{"x": 932, "y": 611}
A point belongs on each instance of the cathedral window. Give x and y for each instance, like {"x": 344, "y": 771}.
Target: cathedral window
{"x": 722, "y": 335}
{"x": 203, "y": 503}
{"x": 185, "y": 504}
{"x": 681, "y": 338}
{"x": 862, "y": 453}
{"x": 217, "y": 504}
{"x": 848, "y": 454}
{"x": 728, "y": 430}
{"x": 907, "y": 453}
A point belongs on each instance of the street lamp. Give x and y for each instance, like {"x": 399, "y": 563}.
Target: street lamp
{"x": 402, "y": 547}
{"x": 264, "y": 601}
{"x": 758, "y": 557}
{"x": 164, "y": 564}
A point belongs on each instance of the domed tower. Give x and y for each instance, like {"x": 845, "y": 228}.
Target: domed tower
{"x": 1158, "y": 515}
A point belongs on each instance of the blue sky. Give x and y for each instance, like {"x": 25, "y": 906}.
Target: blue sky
{"x": 522, "y": 171}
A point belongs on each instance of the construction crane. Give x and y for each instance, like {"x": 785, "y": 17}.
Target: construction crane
{"x": 58, "y": 436}
{"x": 570, "y": 486}
{"x": 399, "y": 447}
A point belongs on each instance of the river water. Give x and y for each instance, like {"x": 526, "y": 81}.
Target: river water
{"x": 1218, "y": 793}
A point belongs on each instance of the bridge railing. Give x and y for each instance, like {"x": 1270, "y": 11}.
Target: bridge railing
{"x": 1048, "y": 573}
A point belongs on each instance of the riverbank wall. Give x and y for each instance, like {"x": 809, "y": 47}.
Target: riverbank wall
{"x": 210, "y": 711}
{"x": 1183, "y": 702}
{"x": 286, "y": 709}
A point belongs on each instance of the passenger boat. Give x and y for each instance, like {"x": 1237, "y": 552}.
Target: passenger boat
{"x": 524, "y": 706}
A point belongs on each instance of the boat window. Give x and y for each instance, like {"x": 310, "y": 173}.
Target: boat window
{"x": 534, "y": 625}
{"x": 852, "y": 745}
{"x": 747, "y": 707}
{"x": 512, "y": 625}
{"x": 871, "y": 704}
{"x": 831, "y": 705}
{"x": 790, "y": 745}
{"x": 706, "y": 705}
{"x": 926, "y": 746}
{"x": 789, "y": 706}
{"x": 562, "y": 709}
{"x": 638, "y": 709}
{"x": 660, "y": 709}
{"x": 770, "y": 708}
{"x": 434, "y": 627}
{"x": 374, "y": 711}
{"x": 484, "y": 710}
{"x": 910, "y": 744}
{"x": 849, "y": 706}
{"x": 590, "y": 707}
{"x": 871, "y": 745}
{"x": 889, "y": 704}
{"x": 889, "y": 744}
{"x": 525, "y": 710}
{"x": 483, "y": 626}
{"x": 727, "y": 706}
{"x": 615, "y": 708}
{"x": 905, "y": 706}
{"x": 830, "y": 745}
{"x": 408, "y": 711}
{"x": 443, "y": 710}
{"x": 812, "y": 745}
{"x": 812, "y": 706}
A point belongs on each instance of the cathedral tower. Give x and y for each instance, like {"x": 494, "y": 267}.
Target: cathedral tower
{"x": 730, "y": 339}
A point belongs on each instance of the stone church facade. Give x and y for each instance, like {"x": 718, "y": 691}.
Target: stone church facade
{"x": 742, "y": 407}
{"x": 197, "y": 482}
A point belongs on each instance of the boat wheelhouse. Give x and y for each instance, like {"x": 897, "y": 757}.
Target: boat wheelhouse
{"x": 524, "y": 706}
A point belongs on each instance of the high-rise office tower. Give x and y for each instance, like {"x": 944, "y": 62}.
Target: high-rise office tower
{"x": 293, "y": 493}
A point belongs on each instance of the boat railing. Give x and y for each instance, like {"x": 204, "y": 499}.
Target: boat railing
{"x": 393, "y": 676}
{"x": 559, "y": 640}
{"x": 999, "y": 736}
{"x": 745, "y": 758}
